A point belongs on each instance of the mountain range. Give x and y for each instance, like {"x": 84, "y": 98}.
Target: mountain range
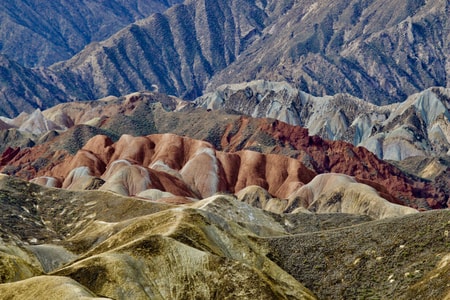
{"x": 379, "y": 55}
{"x": 60, "y": 132}
{"x": 228, "y": 149}
{"x": 419, "y": 126}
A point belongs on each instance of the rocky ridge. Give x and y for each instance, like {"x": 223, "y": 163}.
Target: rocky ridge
{"x": 325, "y": 49}
{"x": 347, "y": 47}
{"x": 57, "y": 31}
{"x": 142, "y": 114}
{"x": 418, "y": 126}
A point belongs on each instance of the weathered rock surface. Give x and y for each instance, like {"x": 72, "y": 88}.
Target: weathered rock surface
{"x": 379, "y": 51}
{"x": 179, "y": 165}
{"x": 379, "y": 55}
{"x": 129, "y": 247}
{"x": 24, "y": 90}
{"x": 341, "y": 193}
{"x": 141, "y": 114}
{"x": 350, "y": 47}
{"x": 39, "y": 34}
{"x": 418, "y": 126}
{"x": 46, "y": 288}
{"x": 190, "y": 168}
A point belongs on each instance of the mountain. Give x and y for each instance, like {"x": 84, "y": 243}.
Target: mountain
{"x": 381, "y": 51}
{"x": 350, "y": 46}
{"x": 58, "y": 243}
{"x": 419, "y": 126}
{"x": 176, "y": 52}
{"x": 23, "y": 89}
{"x": 142, "y": 114}
{"x": 34, "y": 33}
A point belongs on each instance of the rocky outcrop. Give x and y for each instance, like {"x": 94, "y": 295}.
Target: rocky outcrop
{"x": 93, "y": 113}
{"x": 418, "y": 126}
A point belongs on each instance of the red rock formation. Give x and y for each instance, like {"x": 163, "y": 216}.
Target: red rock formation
{"x": 338, "y": 157}
{"x": 179, "y": 165}
{"x": 233, "y": 170}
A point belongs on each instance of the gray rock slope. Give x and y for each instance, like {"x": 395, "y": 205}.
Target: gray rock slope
{"x": 380, "y": 51}
{"x": 40, "y": 33}
{"x": 418, "y": 126}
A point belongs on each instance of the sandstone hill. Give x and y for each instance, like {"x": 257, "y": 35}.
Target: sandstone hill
{"x": 142, "y": 114}
{"x": 98, "y": 244}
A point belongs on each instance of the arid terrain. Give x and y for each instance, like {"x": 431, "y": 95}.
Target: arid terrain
{"x": 227, "y": 149}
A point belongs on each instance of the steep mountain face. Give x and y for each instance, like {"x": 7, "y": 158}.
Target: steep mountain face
{"x": 419, "y": 126}
{"x": 380, "y": 51}
{"x": 176, "y": 52}
{"x": 379, "y": 55}
{"x": 23, "y": 89}
{"x": 36, "y": 33}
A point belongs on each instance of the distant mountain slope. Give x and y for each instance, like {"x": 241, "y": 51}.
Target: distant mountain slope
{"x": 40, "y": 33}
{"x": 380, "y": 51}
{"x": 24, "y": 89}
{"x": 419, "y": 126}
{"x": 176, "y": 52}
